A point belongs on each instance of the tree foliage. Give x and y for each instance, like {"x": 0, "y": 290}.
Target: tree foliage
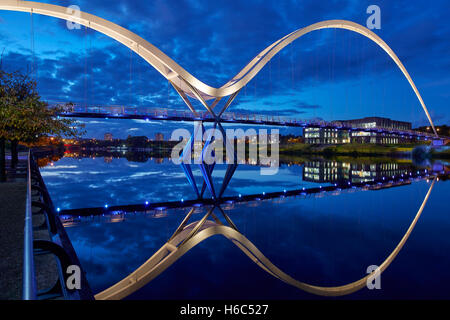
{"x": 24, "y": 116}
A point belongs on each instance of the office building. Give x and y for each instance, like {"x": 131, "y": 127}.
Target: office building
{"x": 344, "y": 134}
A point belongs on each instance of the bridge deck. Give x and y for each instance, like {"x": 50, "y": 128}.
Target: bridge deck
{"x": 177, "y": 115}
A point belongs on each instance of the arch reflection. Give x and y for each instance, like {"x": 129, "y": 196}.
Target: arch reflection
{"x": 188, "y": 235}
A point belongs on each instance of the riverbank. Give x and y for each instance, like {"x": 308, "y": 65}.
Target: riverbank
{"x": 300, "y": 151}
{"x": 358, "y": 150}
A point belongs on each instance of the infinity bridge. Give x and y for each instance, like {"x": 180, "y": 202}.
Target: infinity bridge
{"x": 188, "y": 87}
{"x": 183, "y": 82}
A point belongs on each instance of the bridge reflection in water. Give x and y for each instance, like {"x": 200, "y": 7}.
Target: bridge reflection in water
{"x": 340, "y": 177}
{"x": 322, "y": 177}
{"x": 217, "y": 222}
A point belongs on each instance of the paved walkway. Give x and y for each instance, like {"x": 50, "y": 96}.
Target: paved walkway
{"x": 12, "y": 214}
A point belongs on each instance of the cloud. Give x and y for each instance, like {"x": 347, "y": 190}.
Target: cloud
{"x": 279, "y": 112}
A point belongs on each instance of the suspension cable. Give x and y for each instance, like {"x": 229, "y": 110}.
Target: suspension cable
{"x": 131, "y": 79}
{"x": 90, "y": 67}
{"x": 85, "y": 65}
{"x": 32, "y": 66}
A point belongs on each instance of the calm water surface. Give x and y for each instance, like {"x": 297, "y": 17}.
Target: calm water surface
{"x": 328, "y": 240}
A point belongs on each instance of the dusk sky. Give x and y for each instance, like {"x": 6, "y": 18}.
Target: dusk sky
{"x": 329, "y": 74}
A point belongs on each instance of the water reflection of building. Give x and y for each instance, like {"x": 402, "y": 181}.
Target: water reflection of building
{"x": 329, "y": 171}
{"x": 325, "y": 171}
{"x": 108, "y": 159}
{"x": 117, "y": 217}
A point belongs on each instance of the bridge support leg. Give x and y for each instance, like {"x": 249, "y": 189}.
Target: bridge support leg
{"x": 206, "y": 169}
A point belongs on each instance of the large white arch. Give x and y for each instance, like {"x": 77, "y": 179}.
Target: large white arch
{"x": 183, "y": 81}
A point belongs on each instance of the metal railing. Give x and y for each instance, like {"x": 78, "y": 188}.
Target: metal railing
{"x": 58, "y": 245}
{"x": 29, "y": 277}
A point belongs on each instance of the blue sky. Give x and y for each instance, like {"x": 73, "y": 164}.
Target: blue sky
{"x": 329, "y": 74}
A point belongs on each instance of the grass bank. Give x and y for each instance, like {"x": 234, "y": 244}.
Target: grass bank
{"x": 351, "y": 149}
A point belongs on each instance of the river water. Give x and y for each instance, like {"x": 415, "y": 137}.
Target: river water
{"x": 327, "y": 240}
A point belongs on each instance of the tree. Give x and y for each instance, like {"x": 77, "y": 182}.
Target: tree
{"x": 6, "y": 101}
{"x": 25, "y": 118}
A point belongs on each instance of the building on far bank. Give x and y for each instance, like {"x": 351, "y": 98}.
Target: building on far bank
{"x": 346, "y": 135}
{"x": 159, "y": 136}
{"x": 326, "y": 136}
{"x": 376, "y": 122}
{"x": 108, "y": 137}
